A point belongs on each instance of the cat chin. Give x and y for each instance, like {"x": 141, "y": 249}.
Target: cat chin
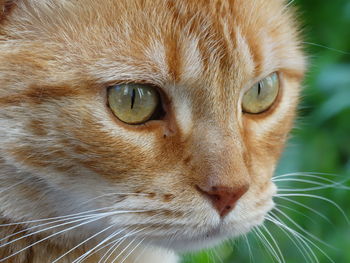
{"x": 209, "y": 239}
{"x": 194, "y": 244}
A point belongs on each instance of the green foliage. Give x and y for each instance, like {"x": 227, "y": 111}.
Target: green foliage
{"x": 320, "y": 143}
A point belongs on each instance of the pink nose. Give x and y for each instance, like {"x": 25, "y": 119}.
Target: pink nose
{"x": 224, "y": 198}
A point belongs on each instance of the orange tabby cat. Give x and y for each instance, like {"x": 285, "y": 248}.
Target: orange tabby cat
{"x": 134, "y": 129}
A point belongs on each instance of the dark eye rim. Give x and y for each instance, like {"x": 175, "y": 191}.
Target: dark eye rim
{"x": 159, "y": 113}
{"x": 273, "y": 106}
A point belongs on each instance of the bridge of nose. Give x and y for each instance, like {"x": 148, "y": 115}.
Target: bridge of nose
{"x": 221, "y": 174}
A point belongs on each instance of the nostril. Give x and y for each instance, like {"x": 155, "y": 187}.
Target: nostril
{"x": 212, "y": 197}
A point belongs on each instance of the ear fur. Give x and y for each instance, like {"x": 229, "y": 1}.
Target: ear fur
{"x": 5, "y": 8}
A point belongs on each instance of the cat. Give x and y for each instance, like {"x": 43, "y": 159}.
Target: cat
{"x": 132, "y": 130}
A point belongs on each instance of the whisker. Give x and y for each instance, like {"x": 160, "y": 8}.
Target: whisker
{"x": 95, "y": 218}
{"x": 305, "y": 239}
{"x": 299, "y": 180}
{"x": 117, "y": 243}
{"x": 131, "y": 251}
{"x": 320, "y": 198}
{"x": 331, "y": 182}
{"x": 262, "y": 244}
{"x": 299, "y": 213}
{"x": 302, "y": 229}
{"x": 267, "y": 244}
{"x": 81, "y": 218}
{"x": 41, "y": 240}
{"x": 123, "y": 250}
{"x": 275, "y": 243}
{"x": 86, "y": 240}
{"x": 298, "y": 244}
{"x": 305, "y": 206}
{"x": 48, "y": 228}
{"x": 215, "y": 253}
{"x": 211, "y": 254}
{"x": 45, "y": 224}
{"x": 300, "y": 190}
{"x": 321, "y": 186}
{"x": 100, "y": 247}
{"x": 329, "y": 48}
{"x": 298, "y": 236}
{"x": 288, "y": 179}
{"x": 57, "y": 217}
{"x": 289, "y": 3}
{"x": 14, "y": 185}
{"x": 251, "y": 258}
{"x": 140, "y": 254}
{"x": 306, "y": 174}
{"x": 95, "y": 250}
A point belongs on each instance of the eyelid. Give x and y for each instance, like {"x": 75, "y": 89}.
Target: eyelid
{"x": 251, "y": 82}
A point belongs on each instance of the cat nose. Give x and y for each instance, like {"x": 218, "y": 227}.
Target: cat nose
{"x": 224, "y": 198}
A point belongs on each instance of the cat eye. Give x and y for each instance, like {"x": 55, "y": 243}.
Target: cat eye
{"x": 262, "y": 95}
{"x": 134, "y": 103}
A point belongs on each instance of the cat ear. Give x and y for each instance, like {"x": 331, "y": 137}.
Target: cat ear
{"x": 5, "y": 8}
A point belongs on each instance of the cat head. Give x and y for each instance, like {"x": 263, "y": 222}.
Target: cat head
{"x": 197, "y": 169}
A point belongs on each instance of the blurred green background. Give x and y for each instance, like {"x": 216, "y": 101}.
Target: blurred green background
{"x": 320, "y": 143}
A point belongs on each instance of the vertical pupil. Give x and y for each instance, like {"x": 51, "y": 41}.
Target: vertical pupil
{"x": 132, "y": 98}
{"x": 259, "y": 88}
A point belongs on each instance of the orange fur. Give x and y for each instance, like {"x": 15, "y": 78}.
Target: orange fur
{"x": 57, "y": 58}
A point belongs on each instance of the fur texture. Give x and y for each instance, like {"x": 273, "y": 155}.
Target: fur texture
{"x": 62, "y": 151}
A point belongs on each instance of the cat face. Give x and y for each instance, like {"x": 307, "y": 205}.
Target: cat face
{"x": 197, "y": 174}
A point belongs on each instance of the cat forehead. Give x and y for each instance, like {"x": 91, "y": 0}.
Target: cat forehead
{"x": 167, "y": 41}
